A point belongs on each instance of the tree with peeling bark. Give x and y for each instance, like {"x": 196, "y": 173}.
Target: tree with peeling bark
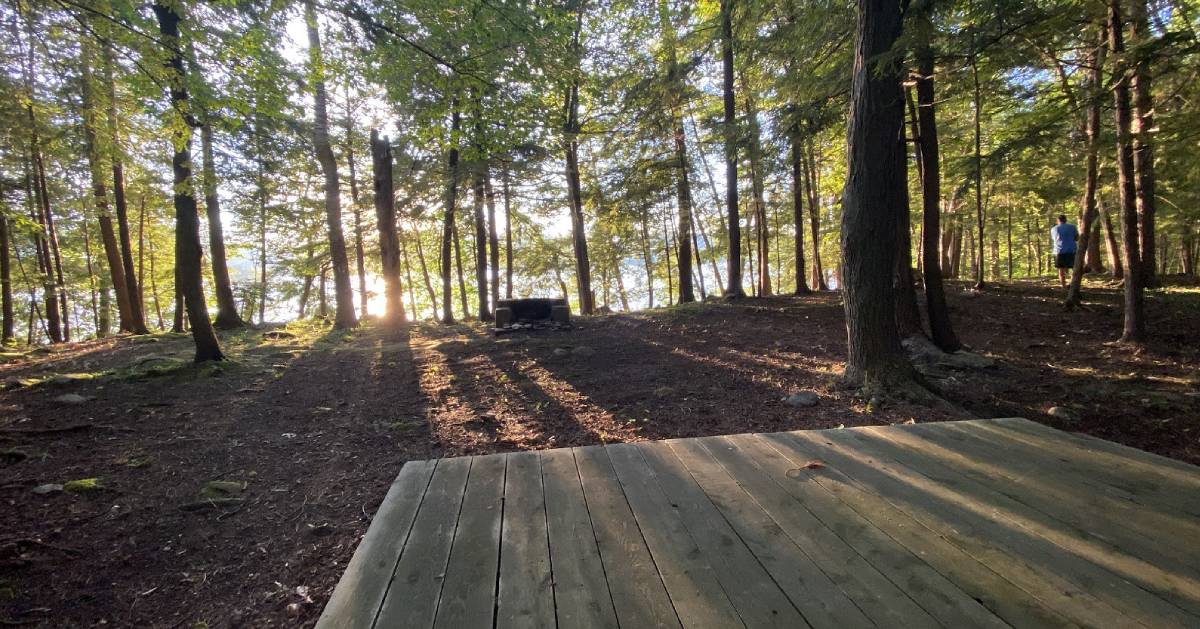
{"x": 112, "y": 250}
{"x": 674, "y": 87}
{"x": 385, "y": 215}
{"x": 344, "y": 316}
{"x": 733, "y": 271}
{"x": 1090, "y": 228}
{"x": 137, "y": 315}
{"x": 874, "y": 196}
{"x": 227, "y": 314}
{"x": 1142, "y": 130}
{"x": 448, "y": 231}
{"x": 1134, "y": 330}
{"x": 940, "y": 326}
{"x": 570, "y": 141}
{"x": 188, "y": 275}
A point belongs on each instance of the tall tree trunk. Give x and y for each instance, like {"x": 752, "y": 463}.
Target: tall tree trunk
{"x": 583, "y": 273}
{"x": 481, "y": 253}
{"x": 345, "y": 316}
{"x": 1110, "y": 241}
{"x": 814, "y": 217}
{"x": 262, "y": 257}
{"x": 1135, "y": 324}
{"x": 622, "y": 294}
{"x": 458, "y": 268}
{"x": 87, "y": 258}
{"x": 976, "y": 108}
{"x": 412, "y": 294}
{"x": 748, "y": 247}
{"x": 761, "y": 260}
{"x": 647, "y": 257}
{"x": 322, "y": 295}
{"x": 177, "y": 318}
{"x": 153, "y": 288}
{"x": 940, "y": 326}
{"x": 734, "y": 272}
{"x": 6, "y": 296}
{"x": 104, "y": 327}
{"x": 1094, "y": 259}
{"x": 112, "y": 252}
{"x": 188, "y": 262}
{"x": 448, "y": 228}
{"x": 683, "y": 188}
{"x": 137, "y": 314}
{"x": 39, "y": 201}
{"x": 41, "y": 251}
{"x": 1089, "y": 228}
{"x": 699, "y": 266}
{"x": 433, "y": 298}
{"x": 141, "y": 270}
{"x": 1142, "y": 136}
{"x": 1010, "y": 245}
{"x": 798, "y": 208}
{"x": 874, "y": 195}
{"x": 1187, "y": 249}
{"x": 908, "y": 315}
{"x": 489, "y": 194}
{"x": 53, "y": 255}
{"x": 356, "y": 212}
{"x": 571, "y": 129}
{"x": 306, "y": 289}
{"x": 385, "y": 220}
{"x": 714, "y": 254}
{"x": 227, "y": 313}
{"x": 508, "y": 246}
{"x": 668, "y": 252}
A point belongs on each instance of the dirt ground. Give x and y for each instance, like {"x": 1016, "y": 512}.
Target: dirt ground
{"x": 235, "y": 495}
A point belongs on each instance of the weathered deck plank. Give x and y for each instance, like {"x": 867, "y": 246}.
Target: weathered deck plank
{"x": 638, "y": 594}
{"x": 1154, "y": 596}
{"x": 755, "y": 595}
{"x": 1037, "y": 479}
{"x": 785, "y": 558}
{"x": 870, "y": 579}
{"x": 469, "y": 588}
{"x": 983, "y": 523}
{"x": 581, "y": 596}
{"x": 967, "y": 532}
{"x": 525, "y": 599}
{"x": 416, "y": 586}
{"x": 892, "y": 540}
{"x": 1141, "y": 477}
{"x": 691, "y": 581}
{"x": 360, "y": 593}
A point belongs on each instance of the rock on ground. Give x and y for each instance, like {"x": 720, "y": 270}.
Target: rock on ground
{"x": 802, "y": 399}
{"x": 71, "y": 398}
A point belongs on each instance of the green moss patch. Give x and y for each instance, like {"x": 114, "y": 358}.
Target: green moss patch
{"x": 83, "y": 486}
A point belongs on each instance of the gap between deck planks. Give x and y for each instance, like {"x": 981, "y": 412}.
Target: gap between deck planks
{"x": 974, "y": 523}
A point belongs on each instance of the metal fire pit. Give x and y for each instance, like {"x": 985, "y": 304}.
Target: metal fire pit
{"x": 532, "y": 313}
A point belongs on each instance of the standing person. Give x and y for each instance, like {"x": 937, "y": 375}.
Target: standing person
{"x": 1064, "y": 235}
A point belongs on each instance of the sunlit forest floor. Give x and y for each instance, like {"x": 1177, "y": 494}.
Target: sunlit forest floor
{"x": 140, "y": 490}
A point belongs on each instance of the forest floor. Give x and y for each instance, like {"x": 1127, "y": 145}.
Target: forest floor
{"x": 139, "y": 490}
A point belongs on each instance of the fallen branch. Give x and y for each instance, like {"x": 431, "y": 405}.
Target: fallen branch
{"x": 212, "y": 503}
{"x": 46, "y": 431}
{"x": 37, "y": 542}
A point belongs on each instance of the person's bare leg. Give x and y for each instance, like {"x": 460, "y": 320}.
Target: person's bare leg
{"x": 1062, "y": 277}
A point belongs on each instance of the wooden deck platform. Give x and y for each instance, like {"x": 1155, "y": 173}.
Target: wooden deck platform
{"x": 985, "y": 523}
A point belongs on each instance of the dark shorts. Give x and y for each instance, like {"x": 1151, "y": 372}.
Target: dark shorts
{"x": 1064, "y": 260}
